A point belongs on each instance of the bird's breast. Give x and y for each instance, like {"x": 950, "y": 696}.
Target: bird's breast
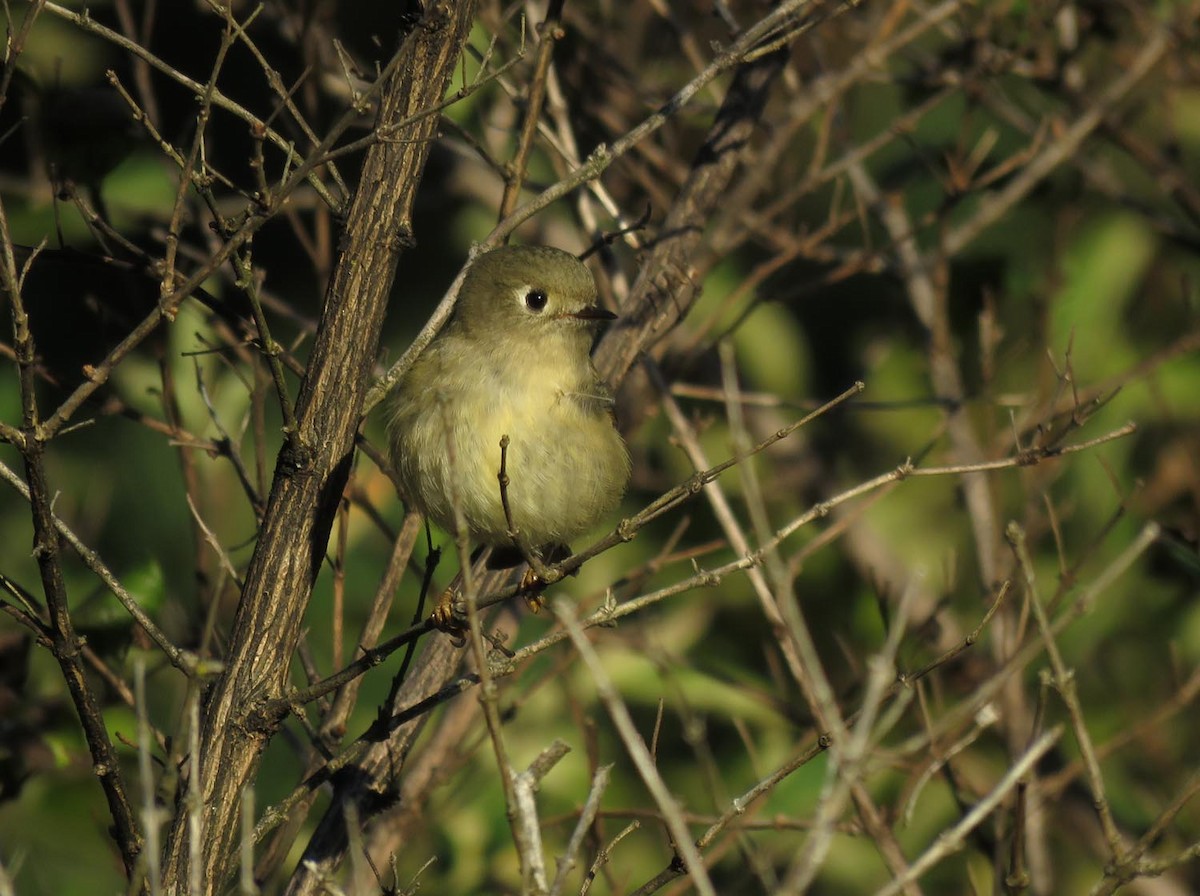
{"x": 566, "y": 465}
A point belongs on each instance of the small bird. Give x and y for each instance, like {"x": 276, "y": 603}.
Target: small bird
{"x": 513, "y": 363}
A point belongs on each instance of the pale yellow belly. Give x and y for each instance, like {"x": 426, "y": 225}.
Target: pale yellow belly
{"x": 567, "y": 468}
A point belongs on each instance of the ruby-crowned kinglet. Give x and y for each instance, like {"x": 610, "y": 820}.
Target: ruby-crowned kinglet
{"x": 513, "y": 361}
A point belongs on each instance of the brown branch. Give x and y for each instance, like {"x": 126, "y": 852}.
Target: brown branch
{"x": 712, "y": 170}
{"x": 550, "y": 32}
{"x": 88, "y": 24}
{"x": 184, "y": 661}
{"x": 715, "y": 166}
{"x": 665, "y": 288}
{"x": 994, "y": 205}
{"x": 67, "y": 645}
{"x": 312, "y": 468}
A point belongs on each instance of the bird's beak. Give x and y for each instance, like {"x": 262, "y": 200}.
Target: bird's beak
{"x": 591, "y": 312}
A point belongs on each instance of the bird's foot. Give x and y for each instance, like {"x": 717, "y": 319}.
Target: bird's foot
{"x": 449, "y": 616}
{"x": 530, "y": 588}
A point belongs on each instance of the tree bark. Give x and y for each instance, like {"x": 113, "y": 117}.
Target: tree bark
{"x": 312, "y": 467}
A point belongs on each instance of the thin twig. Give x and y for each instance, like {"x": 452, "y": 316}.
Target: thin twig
{"x": 635, "y": 747}
{"x": 587, "y": 815}
{"x": 183, "y": 660}
{"x": 1064, "y": 682}
{"x": 951, "y": 840}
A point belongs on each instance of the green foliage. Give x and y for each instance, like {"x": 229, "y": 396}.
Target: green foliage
{"x": 1069, "y": 316}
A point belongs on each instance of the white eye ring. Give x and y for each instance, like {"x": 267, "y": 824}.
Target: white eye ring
{"x": 535, "y": 300}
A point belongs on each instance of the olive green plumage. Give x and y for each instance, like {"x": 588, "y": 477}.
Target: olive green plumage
{"x": 513, "y": 360}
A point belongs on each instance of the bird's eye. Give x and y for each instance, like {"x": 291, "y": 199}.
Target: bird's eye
{"x": 535, "y": 300}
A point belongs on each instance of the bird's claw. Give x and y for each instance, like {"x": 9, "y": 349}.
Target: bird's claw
{"x": 448, "y": 617}
{"x": 449, "y": 614}
{"x": 531, "y": 588}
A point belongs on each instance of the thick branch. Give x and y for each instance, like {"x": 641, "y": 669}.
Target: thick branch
{"x": 311, "y": 470}
{"x": 665, "y": 289}
{"x": 714, "y": 168}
